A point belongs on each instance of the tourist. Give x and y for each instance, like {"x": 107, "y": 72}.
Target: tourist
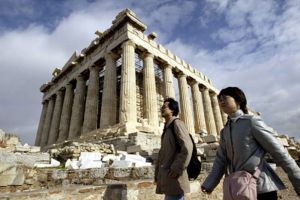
{"x": 245, "y": 140}
{"x": 171, "y": 176}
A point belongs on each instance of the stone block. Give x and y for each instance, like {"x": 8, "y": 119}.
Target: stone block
{"x": 210, "y": 138}
{"x": 88, "y": 164}
{"x": 90, "y": 156}
{"x": 98, "y": 173}
{"x": 22, "y": 149}
{"x": 27, "y": 159}
{"x": 211, "y": 153}
{"x": 59, "y": 174}
{"x": 121, "y": 172}
{"x": 11, "y": 174}
{"x": 122, "y": 164}
{"x": 134, "y": 149}
{"x": 109, "y": 157}
{"x": 71, "y": 164}
{"x": 284, "y": 142}
{"x": 133, "y": 158}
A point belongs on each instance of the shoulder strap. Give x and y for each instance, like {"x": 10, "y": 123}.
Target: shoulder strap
{"x": 174, "y": 134}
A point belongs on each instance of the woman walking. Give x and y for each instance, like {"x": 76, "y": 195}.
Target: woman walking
{"x": 245, "y": 140}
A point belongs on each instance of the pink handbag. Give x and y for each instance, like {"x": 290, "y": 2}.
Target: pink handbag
{"x": 240, "y": 185}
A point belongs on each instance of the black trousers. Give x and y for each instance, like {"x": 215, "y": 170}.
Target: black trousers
{"x": 267, "y": 196}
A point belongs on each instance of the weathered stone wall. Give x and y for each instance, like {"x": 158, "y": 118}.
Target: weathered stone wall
{"x": 109, "y": 184}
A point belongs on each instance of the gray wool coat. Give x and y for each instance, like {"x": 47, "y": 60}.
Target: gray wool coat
{"x": 176, "y": 159}
{"x": 244, "y": 141}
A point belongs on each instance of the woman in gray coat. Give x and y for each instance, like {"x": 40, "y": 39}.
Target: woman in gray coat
{"x": 245, "y": 140}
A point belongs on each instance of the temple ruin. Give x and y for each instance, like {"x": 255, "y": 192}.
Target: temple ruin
{"x": 115, "y": 87}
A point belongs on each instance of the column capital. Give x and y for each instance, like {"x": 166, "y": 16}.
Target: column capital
{"x": 145, "y": 54}
{"x": 181, "y": 75}
{"x": 80, "y": 77}
{"x": 212, "y": 93}
{"x": 59, "y": 92}
{"x": 193, "y": 81}
{"x": 202, "y": 87}
{"x": 94, "y": 68}
{"x": 167, "y": 65}
{"x": 110, "y": 54}
{"x": 129, "y": 42}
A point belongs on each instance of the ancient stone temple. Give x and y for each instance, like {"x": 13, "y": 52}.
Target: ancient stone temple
{"x": 113, "y": 90}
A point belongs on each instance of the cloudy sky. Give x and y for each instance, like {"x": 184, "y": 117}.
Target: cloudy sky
{"x": 254, "y": 45}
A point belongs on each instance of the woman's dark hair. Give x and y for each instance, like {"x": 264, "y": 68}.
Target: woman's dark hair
{"x": 173, "y": 105}
{"x": 238, "y": 96}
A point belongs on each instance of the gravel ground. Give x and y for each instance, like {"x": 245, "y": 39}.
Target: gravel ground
{"x": 289, "y": 193}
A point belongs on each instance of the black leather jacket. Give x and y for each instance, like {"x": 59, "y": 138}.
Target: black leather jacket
{"x": 244, "y": 141}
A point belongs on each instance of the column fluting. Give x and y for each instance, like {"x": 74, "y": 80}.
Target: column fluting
{"x": 47, "y": 124}
{"x": 185, "y": 103}
{"x": 53, "y": 134}
{"x": 217, "y": 112}
{"x": 209, "y": 117}
{"x": 78, "y": 108}
{"x": 150, "y": 97}
{"x": 66, "y": 113}
{"x": 168, "y": 82}
{"x": 198, "y": 108}
{"x": 109, "y": 97}
{"x": 128, "y": 108}
{"x": 91, "y": 104}
{"x": 41, "y": 124}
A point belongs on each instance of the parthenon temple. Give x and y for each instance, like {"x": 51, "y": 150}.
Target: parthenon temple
{"x": 116, "y": 86}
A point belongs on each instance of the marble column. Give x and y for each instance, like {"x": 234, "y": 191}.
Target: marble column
{"x": 198, "y": 108}
{"x": 78, "y": 108}
{"x": 168, "y": 82}
{"x": 128, "y": 108}
{"x": 150, "y": 97}
{"x": 91, "y": 104}
{"x": 66, "y": 113}
{"x": 224, "y": 117}
{"x": 47, "y": 124}
{"x": 185, "y": 103}
{"x": 53, "y": 134}
{"x": 41, "y": 124}
{"x": 209, "y": 116}
{"x": 217, "y": 112}
{"x": 109, "y": 97}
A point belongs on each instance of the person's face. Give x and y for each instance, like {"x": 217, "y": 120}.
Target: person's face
{"x": 166, "y": 111}
{"x": 228, "y": 105}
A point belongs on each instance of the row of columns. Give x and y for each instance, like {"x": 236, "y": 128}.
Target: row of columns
{"x": 75, "y": 111}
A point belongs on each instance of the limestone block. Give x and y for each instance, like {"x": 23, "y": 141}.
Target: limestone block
{"x": 210, "y": 139}
{"x": 11, "y": 174}
{"x": 22, "y": 148}
{"x": 34, "y": 149}
{"x": 136, "y": 148}
{"x": 59, "y": 174}
{"x": 121, "y": 172}
{"x": 53, "y": 163}
{"x": 109, "y": 157}
{"x": 98, "y": 172}
{"x": 88, "y": 164}
{"x": 133, "y": 158}
{"x": 211, "y": 153}
{"x": 121, "y": 164}
{"x": 28, "y": 159}
{"x": 2, "y": 134}
{"x": 284, "y": 142}
{"x": 90, "y": 156}
{"x": 72, "y": 164}
{"x": 141, "y": 164}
